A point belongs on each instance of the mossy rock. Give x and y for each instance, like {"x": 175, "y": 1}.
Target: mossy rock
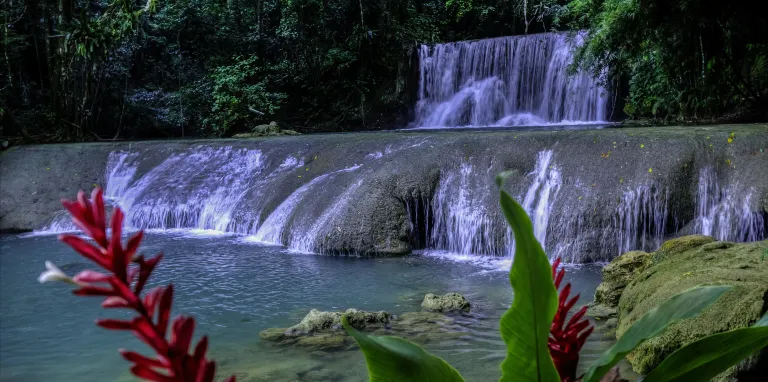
{"x": 270, "y": 130}
{"x": 617, "y": 275}
{"x": 318, "y": 321}
{"x": 324, "y": 342}
{"x": 602, "y": 311}
{"x": 273, "y": 334}
{"x": 447, "y": 303}
{"x": 687, "y": 262}
{"x": 681, "y": 244}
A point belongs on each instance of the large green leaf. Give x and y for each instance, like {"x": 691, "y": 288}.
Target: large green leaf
{"x": 684, "y": 305}
{"x": 704, "y": 359}
{"x": 396, "y": 359}
{"x": 525, "y": 326}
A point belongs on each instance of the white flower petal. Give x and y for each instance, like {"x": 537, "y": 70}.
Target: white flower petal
{"x": 53, "y": 273}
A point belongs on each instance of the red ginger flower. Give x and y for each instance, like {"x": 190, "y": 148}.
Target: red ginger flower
{"x": 566, "y": 341}
{"x": 122, "y": 286}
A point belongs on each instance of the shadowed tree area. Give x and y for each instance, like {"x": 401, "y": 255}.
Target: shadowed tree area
{"x": 81, "y": 70}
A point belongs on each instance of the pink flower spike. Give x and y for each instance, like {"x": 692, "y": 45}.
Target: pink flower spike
{"x": 172, "y": 363}
{"x": 88, "y": 276}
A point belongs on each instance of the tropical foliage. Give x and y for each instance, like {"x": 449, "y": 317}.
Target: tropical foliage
{"x": 103, "y": 69}
{"x": 681, "y": 59}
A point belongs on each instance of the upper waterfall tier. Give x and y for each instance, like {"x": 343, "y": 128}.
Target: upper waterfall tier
{"x": 506, "y": 81}
{"x": 591, "y": 195}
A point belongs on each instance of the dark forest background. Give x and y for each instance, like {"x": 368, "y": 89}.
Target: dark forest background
{"x": 81, "y": 70}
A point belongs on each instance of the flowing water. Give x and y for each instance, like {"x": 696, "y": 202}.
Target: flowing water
{"x": 236, "y": 289}
{"x": 255, "y": 194}
{"x": 506, "y": 81}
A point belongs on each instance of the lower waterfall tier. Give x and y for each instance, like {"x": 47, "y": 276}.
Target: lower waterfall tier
{"x": 591, "y": 194}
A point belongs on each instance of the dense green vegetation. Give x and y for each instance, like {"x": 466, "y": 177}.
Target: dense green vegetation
{"x": 683, "y": 59}
{"x": 103, "y": 69}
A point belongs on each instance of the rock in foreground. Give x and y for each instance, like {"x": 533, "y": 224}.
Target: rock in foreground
{"x": 317, "y": 321}
{"x": 644, "y": 281}
{"x": 447, "y": 303}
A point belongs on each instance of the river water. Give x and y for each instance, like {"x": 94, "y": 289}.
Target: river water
{"x": 235, "y": 289}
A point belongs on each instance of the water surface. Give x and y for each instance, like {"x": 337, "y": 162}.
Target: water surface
{"x": 236, "y": 289}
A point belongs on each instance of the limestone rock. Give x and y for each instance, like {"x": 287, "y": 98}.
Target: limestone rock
{"x": 270, "y": 130}
{"x": 318, "y": 321}
{"x": 273, "y": 334}
{"x": 618, "y": 274}
{"x": 323, "y": 342}
{"x": 447, "y": 303}
{"x": 687, "y": 262}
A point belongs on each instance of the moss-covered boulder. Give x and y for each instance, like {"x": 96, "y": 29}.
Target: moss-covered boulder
{"x": 618, "y": 274}
{"x": 320, "y": 330}
{"x": 447, "y": 303}
{"x": 270, "y": 130}
{"x": 687, "y": 262}
{"x": 318, "y": 321}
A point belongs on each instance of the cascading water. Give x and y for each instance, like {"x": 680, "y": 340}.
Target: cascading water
{"x": 307, "y": 238}
{"x": 274, "y": 226}
{"x": 541, "y": 195}
{"x": 467, "y": 222}
{"x": 724, "y": 213}
{"x": 463, "y": 219}
{"x": 641, "y": 219}
{"x": 519, "y": 80}
{"x": 272, "y": 197}
{"x": 195, "y": 189}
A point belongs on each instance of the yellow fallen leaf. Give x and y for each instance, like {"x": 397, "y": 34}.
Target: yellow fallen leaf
{"x": 650, "y": 169}
{"x": 642, "y": 146}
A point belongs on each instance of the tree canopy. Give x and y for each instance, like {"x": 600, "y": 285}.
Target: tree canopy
{"x": 78, "y": 70}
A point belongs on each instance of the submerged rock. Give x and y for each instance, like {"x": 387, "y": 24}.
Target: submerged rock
{"x": 322, "y": 331}
{"x": 644, "y": 281}
{"x": 447, "y": 303}
{"x": 319, "y": 321}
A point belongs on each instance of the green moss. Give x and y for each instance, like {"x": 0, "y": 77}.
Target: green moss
{"x": 324, "y": 342}
{"x": 617, "y": 275}
{"x": 449, "y": 302}
{"x": 684, "y": 263}
{"x": 680, "y": 245}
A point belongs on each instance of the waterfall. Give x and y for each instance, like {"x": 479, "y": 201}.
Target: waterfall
{"x": 274, "y": 226}
{"x": 467, "y": 221}
{"x": 725, "y": 213}
{"x": 519, "y": 80}
{"x": 541, "y": 194}
{"x": 306, "y": 239}
{"x": 121, "y": 168}
{"x": 273, "y": 196}
{"x": 641, "y": 219}
{"x": 195, "y": 189}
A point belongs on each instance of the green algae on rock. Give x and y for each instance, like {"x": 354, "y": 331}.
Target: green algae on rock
{"x": 447, "y": 303}
{"x": 318, "y": 321}
{"x": 270, "y": 130}
{"x": 680, "y": 264}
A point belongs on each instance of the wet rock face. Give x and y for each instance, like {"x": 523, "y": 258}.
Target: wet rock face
{"x": 643, "y": 281}
{"x": 386, "y": 194}
{"x": 448, "y": 303}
